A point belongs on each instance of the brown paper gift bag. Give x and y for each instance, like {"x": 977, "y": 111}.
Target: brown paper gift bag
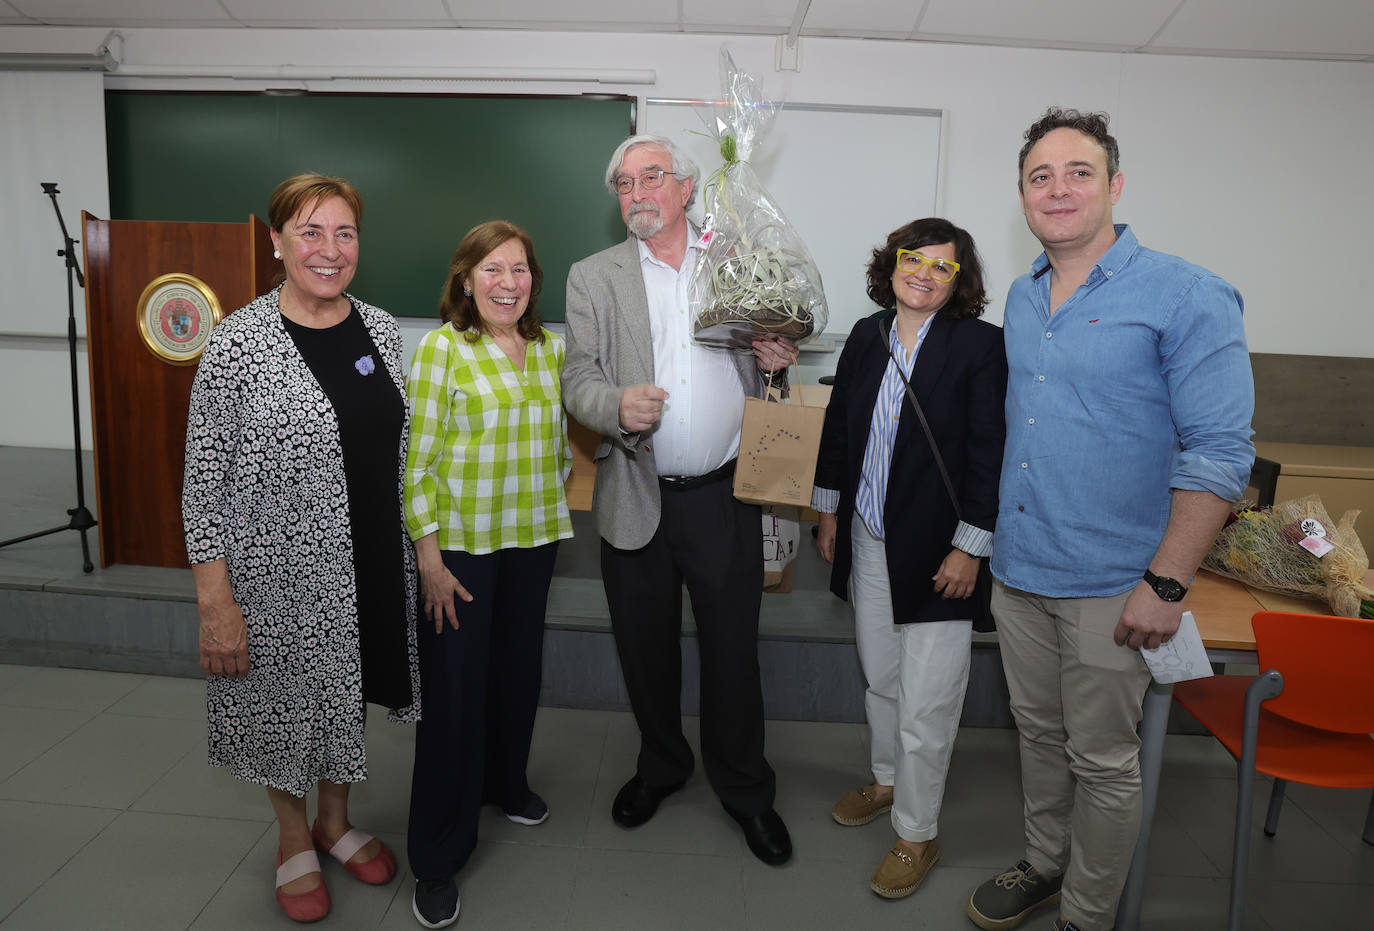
{"x": 778, "y": 444}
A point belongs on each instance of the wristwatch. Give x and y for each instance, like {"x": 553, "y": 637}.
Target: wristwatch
{"x": 1165, "y": 587}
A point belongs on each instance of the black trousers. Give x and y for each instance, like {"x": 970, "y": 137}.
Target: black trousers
{"x": 714, "y": 544}
{"x": 479, "y": 686}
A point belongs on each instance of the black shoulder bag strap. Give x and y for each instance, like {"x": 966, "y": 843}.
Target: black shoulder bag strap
{"x": 982, "y": 588}
{"x": 925, "y": 424}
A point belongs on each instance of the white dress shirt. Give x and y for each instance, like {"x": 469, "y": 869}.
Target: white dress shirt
{"x": 700, "y": 427}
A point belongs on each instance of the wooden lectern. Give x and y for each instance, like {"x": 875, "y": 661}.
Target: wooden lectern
{"x": 139, "y": 400}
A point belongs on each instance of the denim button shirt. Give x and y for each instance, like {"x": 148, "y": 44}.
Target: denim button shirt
{"x": 1139, "y": 383}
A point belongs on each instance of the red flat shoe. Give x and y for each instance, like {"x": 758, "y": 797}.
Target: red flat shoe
{"x": 304, "y": 907}
{"x": 377, "y": 872}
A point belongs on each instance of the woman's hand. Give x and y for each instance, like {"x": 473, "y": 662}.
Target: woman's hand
{"x": 437, "y": 585}
{"x": 437, "y": 588}
{"x": 223, "y": 631}
{"x": 223, "y": 641}
{"x": 957, "y": 575}
{"x": 825, "y": 537}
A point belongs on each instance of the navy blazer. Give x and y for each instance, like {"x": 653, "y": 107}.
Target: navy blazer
{"x": 960, "y": 378}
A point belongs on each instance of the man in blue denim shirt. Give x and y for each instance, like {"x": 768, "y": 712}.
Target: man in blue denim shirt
{"x": 1128, "y": 435}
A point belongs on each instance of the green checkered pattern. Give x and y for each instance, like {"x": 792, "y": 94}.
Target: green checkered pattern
{"x": 488, "y": 451}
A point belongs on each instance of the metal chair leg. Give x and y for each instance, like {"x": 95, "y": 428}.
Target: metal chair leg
{"x": 1267, "y": 685}
{"x": 1271, "y": 818}
{"x": 1240, "y": 849}
{"x": 1369, "y": 823}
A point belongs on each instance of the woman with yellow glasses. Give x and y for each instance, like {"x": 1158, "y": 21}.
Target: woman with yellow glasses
{"x": 907, "y": 525}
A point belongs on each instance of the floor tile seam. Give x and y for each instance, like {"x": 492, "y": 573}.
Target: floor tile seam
{"x": 163, "y": 775}
{"x": 696, "y": 854}
{"x": 63, "y": 865}
{"x": 1222, "y": 869}
{"x": 20, "y": 904}
{"x": 143, "y": 679}
{"x": 29, "y": 801}
{"x": 7, "y": 702}
{"x": 1332, "y": 838}
{"x": 1325, "y": 884}
{"x": 1166, "y": 873}
{"x": 600, "y": 771}
{"x": 230, "y": 875}
{"x": 59, "y": 742}
{"x": 226, "y": 819}
{"x": 150, "y": 717}
{"x": 545, "y": 844}
{"x": 230, "y": 819}
{"x": 406, "y": 886}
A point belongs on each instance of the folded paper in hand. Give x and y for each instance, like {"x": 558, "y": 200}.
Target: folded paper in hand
{"x": 1182, "y": 658}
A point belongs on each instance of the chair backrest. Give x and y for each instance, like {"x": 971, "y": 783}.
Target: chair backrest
{"x": 1264, "y": 479}
{"x": 1327, "y": 665}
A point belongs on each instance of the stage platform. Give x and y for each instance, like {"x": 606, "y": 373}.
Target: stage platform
{"x": 143, "y": 619}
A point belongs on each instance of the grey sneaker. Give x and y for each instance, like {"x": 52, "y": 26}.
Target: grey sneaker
{"x": 1005, "y": 900}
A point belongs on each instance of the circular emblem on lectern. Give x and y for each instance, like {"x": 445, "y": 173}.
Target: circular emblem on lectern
{"x": 175, "y": 316}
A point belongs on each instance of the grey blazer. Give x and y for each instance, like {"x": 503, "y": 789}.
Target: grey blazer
{"x": 609, "y": 350}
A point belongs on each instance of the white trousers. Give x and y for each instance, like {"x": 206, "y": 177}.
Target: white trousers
{"x": 916, "y": 675}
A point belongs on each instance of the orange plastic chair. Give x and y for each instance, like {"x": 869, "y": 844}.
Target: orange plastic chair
{"x": 1315, "y": 726}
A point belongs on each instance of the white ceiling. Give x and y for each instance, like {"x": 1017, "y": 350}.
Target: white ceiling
{"x": 1313, "y": 29}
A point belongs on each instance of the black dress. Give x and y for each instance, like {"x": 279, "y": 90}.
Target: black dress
{"x": 370, "y": 413}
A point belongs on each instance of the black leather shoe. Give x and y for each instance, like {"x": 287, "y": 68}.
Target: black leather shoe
{"x": 767, "y": 836}
{"x": 637, "y": 801}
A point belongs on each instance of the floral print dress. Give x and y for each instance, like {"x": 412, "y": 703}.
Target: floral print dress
{"x": 265, "y": 489}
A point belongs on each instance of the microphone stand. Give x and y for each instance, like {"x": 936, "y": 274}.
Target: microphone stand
{"x": 81, "y": 519}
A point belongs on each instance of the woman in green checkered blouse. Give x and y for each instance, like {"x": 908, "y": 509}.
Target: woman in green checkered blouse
{"x": 484, "y": 503}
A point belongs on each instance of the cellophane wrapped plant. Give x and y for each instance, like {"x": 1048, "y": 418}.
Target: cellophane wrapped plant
{"x": 1277, "y": 549}
{"x": 755, "y": 275}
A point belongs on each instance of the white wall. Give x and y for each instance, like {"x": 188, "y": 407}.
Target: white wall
{"x": 1233, "y": 163}
{"x": 52, "y": 128}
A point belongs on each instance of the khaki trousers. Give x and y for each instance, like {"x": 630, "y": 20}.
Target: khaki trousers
{"x": 1076, "y": 697}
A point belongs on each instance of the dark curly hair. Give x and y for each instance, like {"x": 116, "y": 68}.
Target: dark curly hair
{"x": 460, "y": 309}
{"x": 1092, "y": 125}
{"x": 968, "y": 299}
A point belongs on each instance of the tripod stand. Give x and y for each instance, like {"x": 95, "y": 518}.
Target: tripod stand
{"x": 81, "y": 519}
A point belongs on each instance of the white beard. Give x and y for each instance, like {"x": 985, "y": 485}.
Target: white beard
{"x": 645, "y": 221}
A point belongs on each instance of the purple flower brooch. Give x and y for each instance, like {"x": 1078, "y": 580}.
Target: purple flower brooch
{"x": 365, "y": 365}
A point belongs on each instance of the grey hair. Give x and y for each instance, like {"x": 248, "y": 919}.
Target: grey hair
{"x": 683, "y": 165}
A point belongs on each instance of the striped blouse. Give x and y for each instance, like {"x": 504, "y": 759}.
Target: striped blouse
{"x": 871, "y": 495}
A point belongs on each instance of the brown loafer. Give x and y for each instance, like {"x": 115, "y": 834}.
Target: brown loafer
{"x": 859, "y": 807}
{"x": 900, "y": 873}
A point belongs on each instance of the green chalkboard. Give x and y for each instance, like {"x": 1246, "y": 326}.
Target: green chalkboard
{"x": 429, "y": 168}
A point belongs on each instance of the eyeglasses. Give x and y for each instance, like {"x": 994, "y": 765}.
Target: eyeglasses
{"x": 650, "y": 180}
{"x": 911, "y": 263}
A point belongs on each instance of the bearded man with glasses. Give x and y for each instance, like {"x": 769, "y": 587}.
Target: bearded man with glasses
{"x": 669, "y": 412}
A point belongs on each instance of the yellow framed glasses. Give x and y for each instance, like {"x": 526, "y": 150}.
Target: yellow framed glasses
{"x": 911, "y": 263}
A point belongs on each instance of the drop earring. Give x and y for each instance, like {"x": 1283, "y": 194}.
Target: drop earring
{"x": 276, "y": 254}
{"x": 467, "y": 292}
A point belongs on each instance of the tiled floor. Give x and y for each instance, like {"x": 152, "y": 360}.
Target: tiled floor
{"x": 110, "y": 819}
